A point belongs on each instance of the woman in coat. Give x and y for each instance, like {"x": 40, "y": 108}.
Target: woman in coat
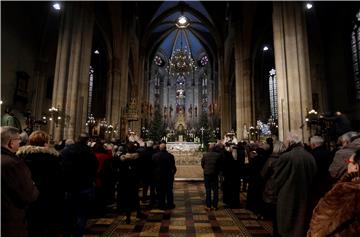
{"x": 338, "y": 212}
{"x": 44, "y": 215}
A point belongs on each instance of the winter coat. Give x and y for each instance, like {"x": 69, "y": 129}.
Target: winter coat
{"x": 210, "y": 163}
{"x": 44, "y": 164}
{"x": 293, "y": 179}
{"x": 103, "y": 159}
{"x": 269, "y": 195}
{"x": 338, "y": 212}
{"x": 165, "y": 168}
{"x": 44, "y": 215}
{"x": 323, "y": 180}
{"x": 79, "y": 166}
{"x": 128, "y": 197}
{"x": 17, "y": 191}
{"x": 338, "y": 167}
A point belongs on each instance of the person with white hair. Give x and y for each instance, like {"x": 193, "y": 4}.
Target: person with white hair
{"x": 18, "y": 189}
{"x": 350, "y": 143}
{"x": 323, "y": 157}
{"x": 293, "y": 178}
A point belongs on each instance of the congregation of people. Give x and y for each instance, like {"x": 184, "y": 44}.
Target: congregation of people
{"x": 304, "y": 189}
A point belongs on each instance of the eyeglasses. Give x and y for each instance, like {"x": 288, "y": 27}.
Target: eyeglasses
{"x": 349, "y": 161}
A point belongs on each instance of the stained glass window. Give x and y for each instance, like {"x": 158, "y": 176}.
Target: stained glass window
{"x": 355, "y": 45}
{"x": 158, "y": 61}
{"x": 204, "y": 60}
{"x": 90, "y": 89}
{"x": 273, "y": 93}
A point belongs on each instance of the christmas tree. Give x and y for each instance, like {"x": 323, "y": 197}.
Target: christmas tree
{"x": 157, "y": 126}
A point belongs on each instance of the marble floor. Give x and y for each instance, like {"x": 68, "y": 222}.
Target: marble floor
{"x": 189, "y": 218}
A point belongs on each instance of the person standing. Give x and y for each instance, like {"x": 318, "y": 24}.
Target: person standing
{"x": 350, "y": 142}
{"x": 293, "y": 179}
{"x": 165, "y": 170}
{"x": 44, "y": 215}
{"x": 337, "y": 213}
{"x": 18, "y": 189}
{"x": 323, "y": 157}
{"x": 79, "y": 167}
{"x": 128, "y": 183}
{"x": 210, "y": 163}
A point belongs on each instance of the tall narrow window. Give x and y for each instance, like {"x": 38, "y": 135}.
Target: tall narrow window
{"x": 90, "y": 91}
{"x": 355, "y": 45}
{"x": 273, "y": 93}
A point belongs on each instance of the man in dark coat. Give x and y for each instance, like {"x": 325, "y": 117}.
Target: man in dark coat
{"x": 147, "y": 170}
{"x": 17, "y": 188}
{"x": 210, "y": 163}
{"x": 323, "y": 158}
{"x": 165, "y": 169}
{"x": 293, "y": 179}
{"x": 79, "y": 167}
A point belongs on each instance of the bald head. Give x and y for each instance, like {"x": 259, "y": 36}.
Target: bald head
{"x": 162, "y": 147}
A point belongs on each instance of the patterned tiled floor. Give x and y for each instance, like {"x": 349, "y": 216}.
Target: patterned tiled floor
{"x": 189, "y": 218}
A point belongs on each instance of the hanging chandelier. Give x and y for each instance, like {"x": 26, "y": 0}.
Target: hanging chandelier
{"x": 181, "y": 62}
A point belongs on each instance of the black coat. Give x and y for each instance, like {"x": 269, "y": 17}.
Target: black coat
{"x": 293, "y": 178}
{"x": 44, "y": 215}
{"x": 79, "y": 167}
{"x": 323, "y": 180}
{"x": 44, "y": 164}
{"x": 164, "y": 165}
{"x": 17, "y": 192}
{"x": 128, "y": 185}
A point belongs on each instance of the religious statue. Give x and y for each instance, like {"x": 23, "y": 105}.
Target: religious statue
{"x": 150, "y": 110}
{"x": 245, "y": 132}
{"x": 170, "y": 110}
{"x": 165, "y": 112}
{"x": 190, "y": 110}
{"x": 180, "y": 124}
{"x": 9, "y": 119}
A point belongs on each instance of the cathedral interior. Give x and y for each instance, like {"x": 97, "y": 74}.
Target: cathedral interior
{"x": 112, "y": 67}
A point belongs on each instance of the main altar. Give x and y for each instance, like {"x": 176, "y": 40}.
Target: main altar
{"x": 187, "y": 159}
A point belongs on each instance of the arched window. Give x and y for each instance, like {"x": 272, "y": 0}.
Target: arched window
{"x": 90, "y": 89}
{"x": 273, "y": 93}
{"x": 355, "y": 45}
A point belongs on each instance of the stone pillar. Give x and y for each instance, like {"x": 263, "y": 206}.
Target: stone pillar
{"x": 39, "y": 89}
{"x": 243, "y": 94}
{"x": 115, "y": 107}
{"x": 224, "y": 97}
{"x": 72, "y": 69}
{"x": 292, "y": 67}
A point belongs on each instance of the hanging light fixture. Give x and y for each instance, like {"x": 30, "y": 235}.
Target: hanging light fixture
{"x": 181, "y": 61}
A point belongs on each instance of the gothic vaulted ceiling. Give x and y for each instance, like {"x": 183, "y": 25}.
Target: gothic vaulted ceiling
{"x": 196, "y": 34}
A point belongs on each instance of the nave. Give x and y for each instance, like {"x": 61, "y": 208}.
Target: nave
{"x": 189, "y": 218}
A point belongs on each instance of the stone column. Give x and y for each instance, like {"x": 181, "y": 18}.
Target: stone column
{"x": 72, "y": 69}
{"x": 243, "y": 95}
{"x": 39, "y": 89}
{"x": 224, "y": 97}
{"x": 243, "y": 31}
{"x": 292, "y": 67}
{"x": 115, "y": 107}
